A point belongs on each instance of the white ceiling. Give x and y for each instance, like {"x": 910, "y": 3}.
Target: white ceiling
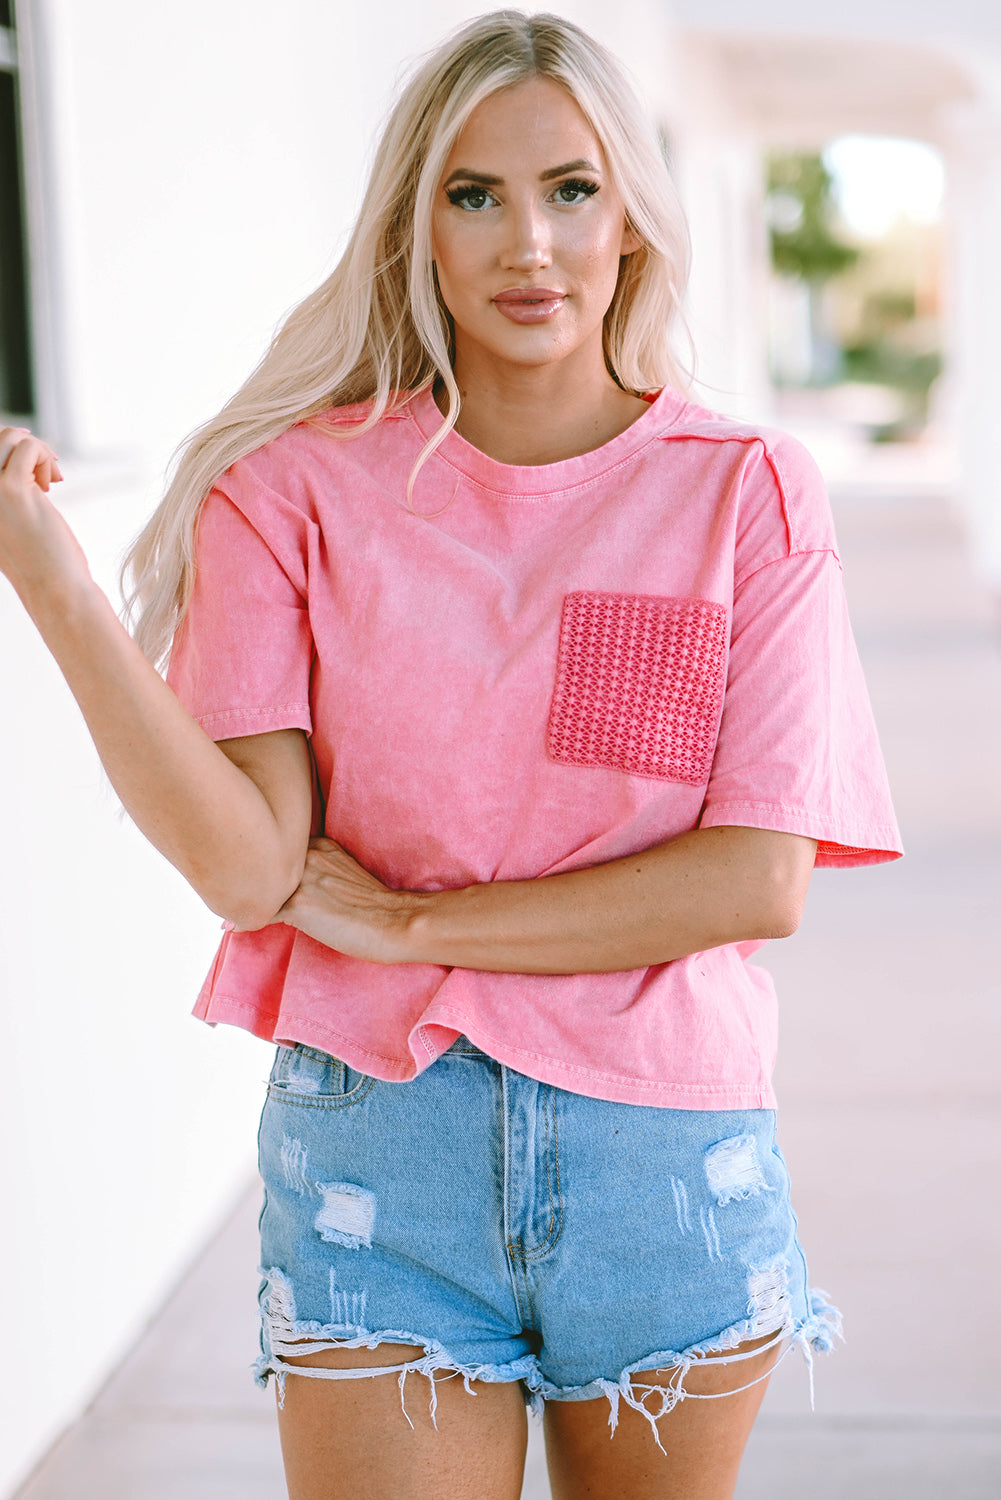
{"x": 802, "y": 89}
{"x": 933, "y": 21}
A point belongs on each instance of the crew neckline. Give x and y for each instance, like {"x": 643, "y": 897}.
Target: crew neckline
{"x": 521, "y": 480}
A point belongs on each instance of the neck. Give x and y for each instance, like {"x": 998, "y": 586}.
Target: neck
{"x": 541, "y": 416}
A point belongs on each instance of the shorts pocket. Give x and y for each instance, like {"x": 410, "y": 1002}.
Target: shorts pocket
{"x": 302, "y": 1075}
{"x": 639, "y": 684}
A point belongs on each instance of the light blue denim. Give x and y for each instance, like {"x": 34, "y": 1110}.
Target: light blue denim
{"x": 515, "y": 1231}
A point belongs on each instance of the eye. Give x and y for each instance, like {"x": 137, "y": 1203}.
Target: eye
{"x": 470, "y": 197}
{"x": 575, "y": 190}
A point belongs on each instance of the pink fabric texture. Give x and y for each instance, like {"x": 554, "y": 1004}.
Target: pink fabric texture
{"x": 639, "y": 684}
{"x": 547, "y": 668}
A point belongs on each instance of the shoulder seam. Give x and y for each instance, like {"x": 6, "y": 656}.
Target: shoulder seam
{"x": 749, "y": 439}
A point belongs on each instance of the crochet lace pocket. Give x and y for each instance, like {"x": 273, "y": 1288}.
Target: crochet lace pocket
{"x": 639, "y": 684}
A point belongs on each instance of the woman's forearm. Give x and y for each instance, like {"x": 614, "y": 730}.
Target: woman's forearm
{"x": 700, "y": 890}
{"x": 201, "y": 811}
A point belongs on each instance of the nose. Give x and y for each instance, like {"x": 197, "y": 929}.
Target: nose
{"x": 527, "y": 246}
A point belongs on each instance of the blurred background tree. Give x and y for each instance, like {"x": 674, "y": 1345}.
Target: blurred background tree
{"x": 802, "y": 213}
{"x": 806, "y": 248}
{"x": 849, "y": 310}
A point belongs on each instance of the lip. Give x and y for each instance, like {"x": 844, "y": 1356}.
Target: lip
{"x": 529, "y": 294}
{"x": 529, "y": 304}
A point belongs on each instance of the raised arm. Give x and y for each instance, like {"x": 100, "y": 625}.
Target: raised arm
{"x": 703, "y": 889}
{"x": 233, "y": 819}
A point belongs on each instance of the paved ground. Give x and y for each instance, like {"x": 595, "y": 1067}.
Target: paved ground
{"x": 891, "y": 1121}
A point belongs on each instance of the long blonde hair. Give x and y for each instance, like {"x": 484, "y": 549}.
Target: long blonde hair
{"x": 377, "y": 329}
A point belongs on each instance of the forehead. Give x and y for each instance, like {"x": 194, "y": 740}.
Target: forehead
{"x": 533, "y": 125}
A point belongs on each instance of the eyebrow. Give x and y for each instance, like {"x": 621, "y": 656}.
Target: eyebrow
{"x": 464, "y": 174}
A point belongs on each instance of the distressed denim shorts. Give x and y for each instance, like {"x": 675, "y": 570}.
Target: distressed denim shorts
{"x": 515, "y": 1231}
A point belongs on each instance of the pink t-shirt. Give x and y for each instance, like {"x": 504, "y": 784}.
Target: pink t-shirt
{"x": 551, "y": 667}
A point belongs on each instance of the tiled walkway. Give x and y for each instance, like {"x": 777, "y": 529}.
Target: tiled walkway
{"x": 891, "y": 1122}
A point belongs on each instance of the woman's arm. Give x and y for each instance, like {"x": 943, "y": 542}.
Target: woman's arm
{"x": 703, "y": 889}
{"x": 234, "y": 822}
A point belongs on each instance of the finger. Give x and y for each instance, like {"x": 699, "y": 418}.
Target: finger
{"x": 54, "y": 473}
{"x": 25, "y": 460}
{"x": 11, "y": 437}
{"x": 323, "y": 845}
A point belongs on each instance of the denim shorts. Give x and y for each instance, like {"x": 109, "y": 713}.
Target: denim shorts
{"x": 518, "y": 1232}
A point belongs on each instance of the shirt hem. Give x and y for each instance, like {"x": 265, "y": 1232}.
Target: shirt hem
{"x": 613, "y": 1087}
{"x": 575, "y": 1078}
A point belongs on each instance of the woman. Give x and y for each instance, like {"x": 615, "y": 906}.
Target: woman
{"x": 558, "y": 664}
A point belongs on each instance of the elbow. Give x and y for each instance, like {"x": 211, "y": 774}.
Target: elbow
{"x": 784, "y": 885}
{"x": 250, "y": 905}
{"x": 782, "y": 911}
{"x": 244, "y": 911}
{"x": 782, "y": 919}
{"x": 246, "y": 916}
{"x": 770, "y": 876}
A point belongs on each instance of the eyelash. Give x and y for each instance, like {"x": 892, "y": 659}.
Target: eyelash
{"x": 462, "y": 192}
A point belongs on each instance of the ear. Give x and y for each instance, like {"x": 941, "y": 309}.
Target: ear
{"x": 630, "y": 240}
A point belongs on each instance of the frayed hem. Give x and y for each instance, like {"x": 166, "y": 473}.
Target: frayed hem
{"x": 435, "y": 1363}
{"x": 814, "y": 1334}
{"x": 285, "y": 1337}
{"x": 817, "y": 1335}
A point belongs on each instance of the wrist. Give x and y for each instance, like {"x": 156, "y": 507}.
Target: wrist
{"x": 412, "y": 923}
{"x": 55, "y": 601}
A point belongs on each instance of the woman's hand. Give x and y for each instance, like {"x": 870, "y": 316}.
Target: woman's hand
{"x": 37, "y": 548}
{"x": 342, "y": 905}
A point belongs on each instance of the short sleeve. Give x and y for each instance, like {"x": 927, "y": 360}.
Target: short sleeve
{"x": 242, "y": 656}
{"x": 797, "y": 748}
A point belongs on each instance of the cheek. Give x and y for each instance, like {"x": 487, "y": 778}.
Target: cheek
{"x": 597, "y": 245}
{"x": 598, "y": 260}
{"x": 439, "y": 248}
{"x": 455, "y": 256}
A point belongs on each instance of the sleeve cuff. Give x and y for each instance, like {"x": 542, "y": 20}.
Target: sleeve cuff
{"x": 234, "y": 723}
{"x": 839, "y": 845}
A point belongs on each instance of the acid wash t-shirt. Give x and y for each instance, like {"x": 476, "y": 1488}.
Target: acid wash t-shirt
{"x": 548, "y": 668}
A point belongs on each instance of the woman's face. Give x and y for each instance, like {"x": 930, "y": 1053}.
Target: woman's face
{"x": 527, "y": 233}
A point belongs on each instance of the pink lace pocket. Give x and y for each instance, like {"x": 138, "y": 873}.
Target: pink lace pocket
{"x": 639, "y": 684}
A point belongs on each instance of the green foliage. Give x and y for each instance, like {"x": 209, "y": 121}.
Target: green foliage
{"x": 801, "y": 208}
{"x": 881, "y": 363}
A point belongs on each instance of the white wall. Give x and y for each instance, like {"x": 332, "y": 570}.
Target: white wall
{"x": 126, "y": 1127}
{"x": 973, "y": 155}
{"x": 718, "y": 168}
{"x": 195, "y": 167}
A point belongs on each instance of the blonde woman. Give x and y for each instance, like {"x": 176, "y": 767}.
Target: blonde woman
{"x": 512, "y": 701}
